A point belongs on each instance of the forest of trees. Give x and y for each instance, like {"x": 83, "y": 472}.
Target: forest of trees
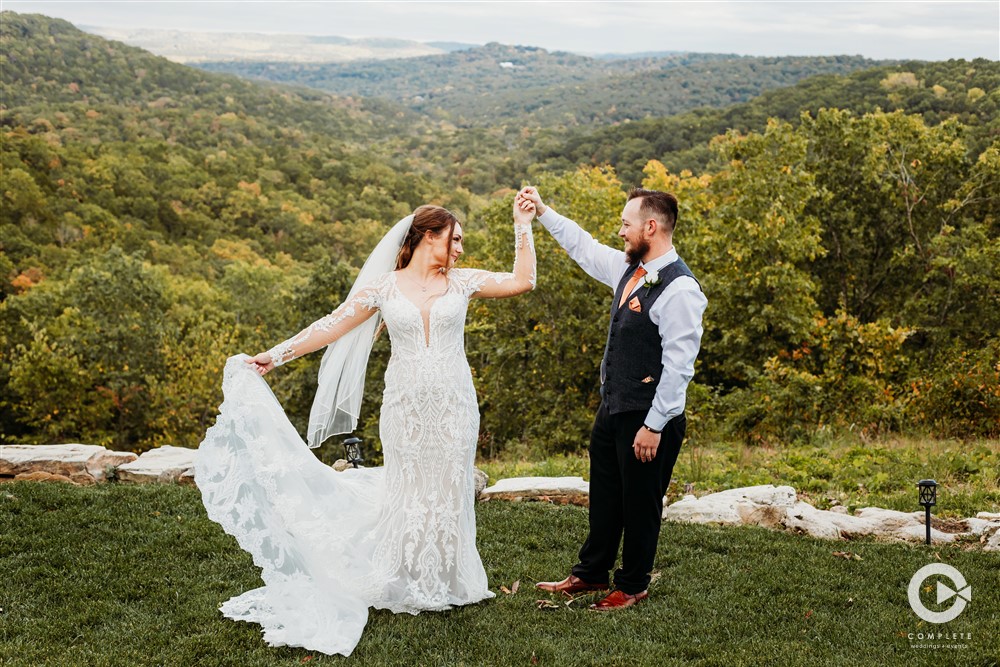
{"x": 527, "y": 86}
{"x": 156, "y": 219}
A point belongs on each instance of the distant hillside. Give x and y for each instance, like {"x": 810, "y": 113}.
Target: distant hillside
{"x": 967, "y": 91}
{"x": 194, "y": 47}
{"x": 675, "y": 85}
{"x": 114, "y": 142}
{"x": 48, "y": 62}
{"x": 421, "y": 82}
{"x": 495, "y": 84}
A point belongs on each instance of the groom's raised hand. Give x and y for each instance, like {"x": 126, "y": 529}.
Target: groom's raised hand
{"x": 530, "y": 194}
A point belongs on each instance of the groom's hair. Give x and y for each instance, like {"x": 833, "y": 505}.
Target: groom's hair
{"x": 656, "y": 204}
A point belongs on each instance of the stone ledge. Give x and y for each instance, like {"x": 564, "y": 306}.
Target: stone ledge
{"x": 777, "y": 508}
{"x": 82, "y": 464}
{"x": 559, "y": 490}
{"x": 163, "y": 465}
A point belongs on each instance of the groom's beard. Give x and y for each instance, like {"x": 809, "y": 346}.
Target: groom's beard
{"x": 637, "y": 250}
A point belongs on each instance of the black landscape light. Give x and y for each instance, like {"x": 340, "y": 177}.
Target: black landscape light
{"x": 928, "y": 498}
{"x": 352, "y": 446}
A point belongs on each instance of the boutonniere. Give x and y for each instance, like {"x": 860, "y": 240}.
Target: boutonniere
{"x": 651, "y": 279}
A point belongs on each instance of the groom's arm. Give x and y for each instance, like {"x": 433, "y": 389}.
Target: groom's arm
{"x": 677, "y": 315}
{"x": 599, "y": 261}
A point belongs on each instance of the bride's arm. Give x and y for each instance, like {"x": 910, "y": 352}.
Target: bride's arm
{"x": 322, "y": 332}
{"x": 522, "y": 279}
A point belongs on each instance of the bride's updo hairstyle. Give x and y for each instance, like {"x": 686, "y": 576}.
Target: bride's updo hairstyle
{"x": 426, "y": 218}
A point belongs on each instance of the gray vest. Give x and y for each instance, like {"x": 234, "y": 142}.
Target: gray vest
{"x": 633, "y": 355}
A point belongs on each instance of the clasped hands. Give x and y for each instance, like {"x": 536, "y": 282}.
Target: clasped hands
{"x": 529, "y": 199}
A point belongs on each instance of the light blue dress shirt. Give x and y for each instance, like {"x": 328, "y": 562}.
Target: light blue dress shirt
{"x": 676, "y": 313}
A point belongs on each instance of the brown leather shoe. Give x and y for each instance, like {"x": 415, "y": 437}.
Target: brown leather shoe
{"x": 619, "y": 600}
{"x": 571, "y": 585}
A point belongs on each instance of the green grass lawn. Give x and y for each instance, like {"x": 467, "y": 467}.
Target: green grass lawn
{"x": 129, "y": 575}
{"x": 845, "y": 471}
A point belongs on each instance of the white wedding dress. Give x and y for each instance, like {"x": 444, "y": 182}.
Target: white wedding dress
{"x": 332, "y": 544}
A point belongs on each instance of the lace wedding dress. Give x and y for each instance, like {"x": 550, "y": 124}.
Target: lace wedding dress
{"x": 332, "y": 544}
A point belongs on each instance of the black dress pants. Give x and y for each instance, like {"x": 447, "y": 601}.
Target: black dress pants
{"x": 626, "y": 496}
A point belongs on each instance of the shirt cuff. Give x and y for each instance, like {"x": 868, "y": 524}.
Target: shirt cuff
{"x": 655, "y": 420}
{"x": 549, "y": 216}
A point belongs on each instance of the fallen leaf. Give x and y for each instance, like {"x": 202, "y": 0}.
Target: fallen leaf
{"x": 809, "y": 613}
{"x": 534, "y": 658}
{"x": 546, "y": 604}
{"x": 306, "y": 659}
{"x": 514, "y": 586}
{"x": 504, "y": 589}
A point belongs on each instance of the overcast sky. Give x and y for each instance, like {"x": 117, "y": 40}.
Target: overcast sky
{"x": 899, "y": 29}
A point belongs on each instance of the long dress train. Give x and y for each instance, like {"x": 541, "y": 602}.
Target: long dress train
{"x": 332, "y": 544}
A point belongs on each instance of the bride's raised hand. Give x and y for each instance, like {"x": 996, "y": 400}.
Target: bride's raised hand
{"x": 524, "y": 211}
{"x": 262, "y": 363}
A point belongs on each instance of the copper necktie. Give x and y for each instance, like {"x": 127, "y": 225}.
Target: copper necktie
{"x": 632, "y": 282}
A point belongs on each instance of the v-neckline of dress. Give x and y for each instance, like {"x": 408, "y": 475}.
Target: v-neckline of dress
{"x": 426, "y": 324}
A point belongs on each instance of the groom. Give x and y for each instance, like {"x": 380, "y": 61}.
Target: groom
{"x": 653, "y": 341}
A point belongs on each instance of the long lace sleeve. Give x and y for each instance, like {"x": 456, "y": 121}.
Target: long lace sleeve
{"x": 328, "y": 328}
{"x": 494, "y": 285}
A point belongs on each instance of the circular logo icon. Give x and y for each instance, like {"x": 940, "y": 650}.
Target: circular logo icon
{"x": 962, "y": 595}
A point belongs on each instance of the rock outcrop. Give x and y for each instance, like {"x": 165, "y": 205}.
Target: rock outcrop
{"x": 163, "y": 465}
{"x": 778, "y": 508}
{"x": 81, "y": 464}
{"x": 560, "y": 490}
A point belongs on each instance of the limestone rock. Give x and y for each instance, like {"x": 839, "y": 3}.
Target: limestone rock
{"x": 990, "y": 537}
{"x": 166, "y": 464}
{"x": 340, "y": 465}
{"x": 753, "y": 505}
{"x": 806, "y": 519}
{"x": 982, "y": 527}
{"x": 84, "y": 464}
{"x": 777, "y": 508}
{"x": 560, "y": 490}
{"x": 39, "y": 476}
{"x": 482, "y": 481}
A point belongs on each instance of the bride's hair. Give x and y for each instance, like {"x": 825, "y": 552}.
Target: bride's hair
{"x": 426, "y": 218}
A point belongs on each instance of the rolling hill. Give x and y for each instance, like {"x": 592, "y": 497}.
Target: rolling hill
{"x": 500, "y": 84}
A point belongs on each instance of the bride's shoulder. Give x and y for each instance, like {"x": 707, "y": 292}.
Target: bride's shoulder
{"x": 470, "y": 280}
{"x": 464, "y": 275}
{"x": 376, "y": 288}
{"x": 382, "y": 280}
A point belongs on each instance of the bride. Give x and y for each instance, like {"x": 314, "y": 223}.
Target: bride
{"x": 400, "y": 537}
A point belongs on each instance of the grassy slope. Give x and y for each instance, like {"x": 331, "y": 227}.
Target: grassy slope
{"x": 117, "y": 575}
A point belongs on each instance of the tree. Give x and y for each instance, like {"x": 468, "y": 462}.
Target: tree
{"x": 536, "y": 357}
{"x": 86, "y": 370}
